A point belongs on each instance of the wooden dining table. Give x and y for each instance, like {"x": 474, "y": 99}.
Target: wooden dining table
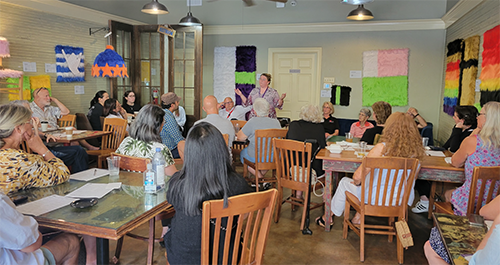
{"x": 78, "y": 135}
{"x": 115, "y": 214}
{"x": 432, "y": 168}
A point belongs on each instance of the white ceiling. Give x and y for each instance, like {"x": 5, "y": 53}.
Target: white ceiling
{"x": 234, "y": 12}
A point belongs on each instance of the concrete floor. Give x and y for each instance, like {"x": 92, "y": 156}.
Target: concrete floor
{"x": 287, "y": 245}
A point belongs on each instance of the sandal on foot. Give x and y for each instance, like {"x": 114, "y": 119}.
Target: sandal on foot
{"x": 321, "y": 222}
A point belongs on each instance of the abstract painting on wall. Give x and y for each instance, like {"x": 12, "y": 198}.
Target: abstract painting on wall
{"x": 385, "y": 77}
{"x": 70, "y": 64}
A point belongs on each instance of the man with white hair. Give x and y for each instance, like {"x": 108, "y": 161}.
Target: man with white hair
{"x": 260, "y": 122}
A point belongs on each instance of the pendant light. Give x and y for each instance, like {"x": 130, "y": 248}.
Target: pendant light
{"x": 360, "y": 13}
{"x": 189, "y": 20}
{"x": 155, "y": 8}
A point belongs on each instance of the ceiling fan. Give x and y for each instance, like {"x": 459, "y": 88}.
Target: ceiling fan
{"x": 251, "y": 2}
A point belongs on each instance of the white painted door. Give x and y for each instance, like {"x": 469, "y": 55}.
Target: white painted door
{"x": 296, "y": 72}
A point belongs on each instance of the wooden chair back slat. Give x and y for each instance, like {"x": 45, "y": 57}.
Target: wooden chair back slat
{"x": 481, "y": 177}
{"x": 247, "y": 218}
{"x": 240, "y": 123}
{"x": 119, "y": 129}
{"x": 132, "y": 163}
{"x": 398, "y": 182}
{"x": 67, "y": 121}
{"x": 264, "y": 159}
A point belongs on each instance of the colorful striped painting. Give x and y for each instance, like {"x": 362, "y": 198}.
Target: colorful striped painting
{"x": 452, "y": 77}
{"x": 385, "y": 77}
{"x": 70, "y": 64}
{"x": 490, "y": 67}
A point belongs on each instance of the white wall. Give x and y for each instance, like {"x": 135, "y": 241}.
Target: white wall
{"x": 342, "y": 52}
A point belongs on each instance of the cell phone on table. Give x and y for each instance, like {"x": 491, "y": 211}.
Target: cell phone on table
{"x": 476, "y": 220}
{"x": 19, "y": 199}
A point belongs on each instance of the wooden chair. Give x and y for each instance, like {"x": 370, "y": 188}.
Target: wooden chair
{"x": 24, "y": 146}
{"x": 393, "y": 195}
{"x": 238, "y": 146}
{"x": 110, "y": 142}
{"x": 138, "y": 164}
{"x": 67, "y": 121}
{"x": 246, "y": 221}
{"x": 485, "y": 174}
{"x": 293, "y": 165}
{"x": 83, "y": 123}
{"x": 226, "y": 138}
{"x": 376, "y": 139}
{"x": 264, "y": 159}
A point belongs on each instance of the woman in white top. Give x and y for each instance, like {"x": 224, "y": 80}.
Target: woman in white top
{"x": 400, "y": 138}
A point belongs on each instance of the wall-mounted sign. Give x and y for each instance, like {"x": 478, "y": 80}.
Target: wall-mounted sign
{"x": 294, "y": 71}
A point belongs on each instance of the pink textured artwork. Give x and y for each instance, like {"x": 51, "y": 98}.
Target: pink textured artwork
{"x": 393, "y": 62}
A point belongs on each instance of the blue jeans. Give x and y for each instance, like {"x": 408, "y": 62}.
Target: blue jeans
{"x": 74, "y": 156}
{"x": 244, "y": 155}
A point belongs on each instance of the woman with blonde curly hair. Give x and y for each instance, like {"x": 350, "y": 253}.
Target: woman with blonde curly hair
{"x": 400, "y": 138}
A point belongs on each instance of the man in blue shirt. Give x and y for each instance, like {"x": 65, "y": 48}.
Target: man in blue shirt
{"x": 171, "y": 134}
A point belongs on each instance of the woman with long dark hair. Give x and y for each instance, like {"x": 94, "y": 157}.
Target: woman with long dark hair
{"x": 96, "y": 109}
{"x": 129, "y": 103}
{"x": 207, "y": 174}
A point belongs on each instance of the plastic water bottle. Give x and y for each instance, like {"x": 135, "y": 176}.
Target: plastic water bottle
{"x": 149, "y": 179}
{"x": 159, "y": 169}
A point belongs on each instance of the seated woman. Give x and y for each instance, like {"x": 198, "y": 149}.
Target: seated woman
{"x": 309, "y": 127}
{"x": 381, "y": 111}
{"x": 20, "y": 170}
{"x": 144, "y": 137}
{"x": 129, "y": 104}
{"x": 486, "y": 253}
{"x": 330, "y": 124}
{"x": 113, "y": 109}
{"x": 465, "y": 122}
{"x": 481, "y": 148}
{"x": 465, "y": 118}
{"x": 96, "y": 109}
{"x": 400, "y": 139}
{"x": 260, "y": 122}
{"x": 359, "y": 128}
{"x": 195, "y": 183}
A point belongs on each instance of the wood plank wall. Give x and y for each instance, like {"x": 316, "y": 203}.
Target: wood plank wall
{"x": 33, "y": 36}
{"x": 482, "y": 18}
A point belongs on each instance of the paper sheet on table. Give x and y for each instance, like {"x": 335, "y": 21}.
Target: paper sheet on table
{"x": 435, "y": 153}
{"x": 489, "y": 224}
{"x": 89, "y": 174}
{"x": 44, "y": 205}
{"x": 94, "y": 190}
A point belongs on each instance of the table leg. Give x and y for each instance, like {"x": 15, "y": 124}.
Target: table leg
{"x": 431, "y": 199}
{"x": 102, "y": 245}
{"x": 151, "y": 241}
{"x": 328, "y": 197}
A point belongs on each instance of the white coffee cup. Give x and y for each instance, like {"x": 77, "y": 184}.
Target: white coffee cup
{"x": 45, "y": 125}
{"x": 69, "y": 130}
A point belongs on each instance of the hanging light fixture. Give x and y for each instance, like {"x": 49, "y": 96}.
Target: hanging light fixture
{"x": 360, "y": 13}
{"x": 189, "y": 20}
{"x": 155, "y": 8}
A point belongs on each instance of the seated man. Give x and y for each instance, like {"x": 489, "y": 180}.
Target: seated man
{"x": 21, "y": 242}
{"x": 210, "y": 106}
{"x": 231, "y": 112}
{"x": 170, "y": 133}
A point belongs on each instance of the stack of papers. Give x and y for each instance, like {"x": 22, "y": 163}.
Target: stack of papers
{"x": 94, "y": 190}
{"x": 44, "y": 205}
{"x": 89, "y": 174}
{"x": 435, "y": 153}
{"x": 334, "y": 148}
{"x": 54, "y": 202}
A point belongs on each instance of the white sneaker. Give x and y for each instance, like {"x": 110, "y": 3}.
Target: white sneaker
{"x": 421, "y": 207}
